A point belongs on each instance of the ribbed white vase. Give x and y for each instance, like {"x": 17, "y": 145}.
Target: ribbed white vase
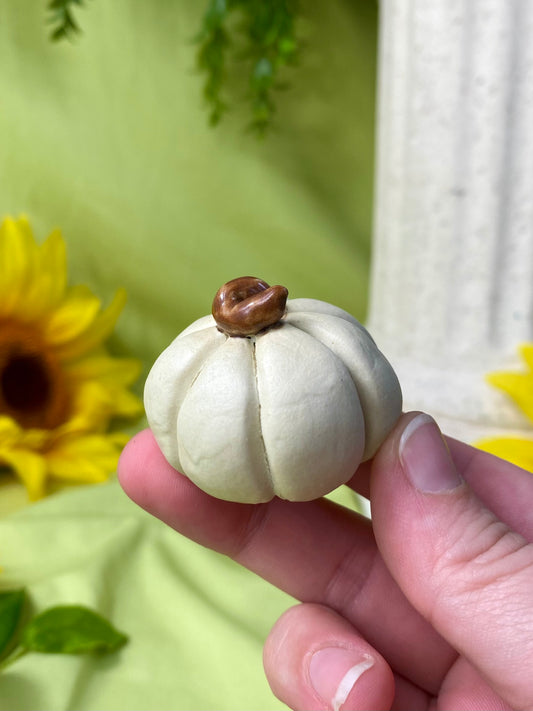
{"x": 452, "y": 280}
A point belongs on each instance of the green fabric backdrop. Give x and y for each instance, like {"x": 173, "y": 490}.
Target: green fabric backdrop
{"x": 107, "y": 138}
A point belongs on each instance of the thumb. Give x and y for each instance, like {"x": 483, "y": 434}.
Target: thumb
{"x": 462, "y": 568}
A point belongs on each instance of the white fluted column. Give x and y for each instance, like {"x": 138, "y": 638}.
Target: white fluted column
{"x": 452, "y": 280}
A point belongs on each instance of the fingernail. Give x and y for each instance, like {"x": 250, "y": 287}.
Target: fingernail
{"x": 334, "y": 671}
{"x": 425, "y": 457}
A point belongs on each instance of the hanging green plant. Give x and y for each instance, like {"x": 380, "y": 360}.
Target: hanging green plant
{"x": 60, "y": 16}
{"x": 255, "y": 35}
{"x": 254, "y": 38}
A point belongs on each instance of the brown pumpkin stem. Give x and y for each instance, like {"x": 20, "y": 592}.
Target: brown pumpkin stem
{"x": 247, "y": 305}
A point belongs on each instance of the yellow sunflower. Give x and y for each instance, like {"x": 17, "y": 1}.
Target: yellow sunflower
{"x": 519, "y": 387}
{"x": 59, "y": 387}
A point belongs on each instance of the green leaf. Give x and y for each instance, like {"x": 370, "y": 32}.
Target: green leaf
{"x": 60, "y": 15}
{"x": 11, "y": 607}
{"x": 71, "y": 629}
{"x": 215, "y": 14}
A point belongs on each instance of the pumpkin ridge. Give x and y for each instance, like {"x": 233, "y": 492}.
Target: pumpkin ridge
{"x": 311, "y": 417}
{"x": 360, "y": 331}
{"x": 268, "y": 469}
{"x": 297, "y": 315}
{"x": 377, "y": 369}
{"x": 203, "y": 363}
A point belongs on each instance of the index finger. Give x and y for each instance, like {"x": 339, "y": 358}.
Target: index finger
{"x": 316, "y": 551}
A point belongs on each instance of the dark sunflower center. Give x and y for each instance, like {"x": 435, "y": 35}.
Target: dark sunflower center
{"x": 33, "y": 385}
{"x": 26, "y": 384}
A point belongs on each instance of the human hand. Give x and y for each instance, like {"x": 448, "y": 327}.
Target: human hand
{"x": 430, "y": 605}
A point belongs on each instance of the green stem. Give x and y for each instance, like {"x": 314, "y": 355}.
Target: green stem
{"x": 17, "y": 653}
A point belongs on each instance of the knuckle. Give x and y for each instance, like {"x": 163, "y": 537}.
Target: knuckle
{"x": 482, "y": 558}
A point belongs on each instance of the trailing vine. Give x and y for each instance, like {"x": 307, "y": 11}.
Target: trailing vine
{"x": 254, "y": 38}
{"x": 61, "y": 18}
{"x": 270, "y": 44}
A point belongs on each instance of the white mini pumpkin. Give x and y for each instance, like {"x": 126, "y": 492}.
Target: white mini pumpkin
{"x": 288, "y": 406}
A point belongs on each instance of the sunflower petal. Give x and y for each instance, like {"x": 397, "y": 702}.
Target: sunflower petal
{"x": 519, "y": 386}
{"x": 9, "y": 430}
{"x": 91, "y": 411}
{"x": 16, "y": 437}
{"x": 514, "y": 449}
{"x": 126, "y": 404}
{"x": 53, "y": 261}
{"x": 75, "y": 315}
{"x": 90, "y": 458}
{"x": 527, "y": 354}
{"x": 98, "y": 331}
{"x": 106, "y": 369}
{"x": 18, "y": 257}
{"x": 115, "y": 374}
{"x": 48, "y": 286}
{"x": 94, "y": 407}
{"x": 29, "y": 467}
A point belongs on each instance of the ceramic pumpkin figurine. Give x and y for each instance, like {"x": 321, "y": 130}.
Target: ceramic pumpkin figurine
{"x": 268, "y": 397}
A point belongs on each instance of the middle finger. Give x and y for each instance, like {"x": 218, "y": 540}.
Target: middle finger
{"x": 323, "y": 553}
{"x": 316, "y": 551}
